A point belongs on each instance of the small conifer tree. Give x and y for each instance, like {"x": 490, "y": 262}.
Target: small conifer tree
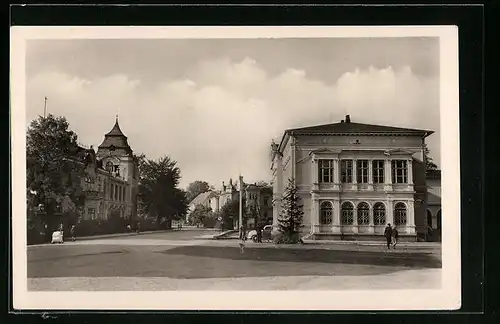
{"x": 290, "y": 218}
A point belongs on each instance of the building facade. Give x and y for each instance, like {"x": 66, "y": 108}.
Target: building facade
{"x": 110, "y": 180}
{"x": 354, "y": 179}
{"x": 434, "y": 204}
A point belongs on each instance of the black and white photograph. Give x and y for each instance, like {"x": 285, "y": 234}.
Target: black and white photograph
{"x": 235, "y": 167}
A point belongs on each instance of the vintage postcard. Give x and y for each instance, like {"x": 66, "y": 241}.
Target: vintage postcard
{"x": 235, "y": 168}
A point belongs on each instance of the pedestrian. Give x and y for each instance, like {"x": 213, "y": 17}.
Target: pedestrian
{"x": 388, "y": 235}
{"x": 242, "y": 233}
{"x": 73, "y": 232}
{"x": 395, "y": 236}
{"x": 259, "y": 234}
{"x": 242, "y": 245}
{"x": 138, "y": 228}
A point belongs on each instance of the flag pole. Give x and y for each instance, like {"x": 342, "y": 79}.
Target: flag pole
{"x": 45, "y": 108}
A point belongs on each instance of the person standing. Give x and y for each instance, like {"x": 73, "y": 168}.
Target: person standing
{"x": 388, "y": 235}
{"x": 259, "y": 234}
{"x": 73, "y": 232}
{"x": 395, "y": 236}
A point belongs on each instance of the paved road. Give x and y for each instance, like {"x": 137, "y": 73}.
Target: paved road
{"x": 188, "y": 254}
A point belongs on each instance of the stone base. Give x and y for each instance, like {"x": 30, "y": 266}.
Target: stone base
{"x": 360, "y": 237}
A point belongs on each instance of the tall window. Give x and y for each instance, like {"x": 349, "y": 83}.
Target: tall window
{"x": 378, "y": 171}
{"x": 326, "y": 171}
{"x": 266, "y": 201}
{"x": 326, "y": 213}
{"x": 91, "y": 213}
{"x": 399, "y": 171}
{"x": 379, "y": 214}
{"x": 116, "y": 192}
{"x": 400, "y": 214}
{"x": 111, "y": 190}
{"x": 362, "y": 171}
{"x": 346, "y": 170}
{"x": 124, "y": 195}
{"x": 363, "y": 214}
{"x": 347, "y": 214}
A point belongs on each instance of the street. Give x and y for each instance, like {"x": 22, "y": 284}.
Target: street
{"x": 188, "y": 259}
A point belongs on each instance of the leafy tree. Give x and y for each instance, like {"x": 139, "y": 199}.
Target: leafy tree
{"x": 290, "y": 218}
{"x": 230, "y": 213}
{"x": 195, "y": 188}
{"x": 159, "y": 194}
{"x": 51, "y": 172}
{"x": 429, "y": 163}
{"x": 200, "y": 214}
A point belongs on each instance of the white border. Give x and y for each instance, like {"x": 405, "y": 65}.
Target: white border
{"x": 448, "y": 297}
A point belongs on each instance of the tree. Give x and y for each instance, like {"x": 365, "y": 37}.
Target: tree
{"x": 290, "y": 218}
{"x": 429, "y": 164}
{"x": 159, "y": 194}
{"x": 195, "y": 188}
{"x": 200, "y": 214}
{"x": 52, "y": 170}
{"x": 230, "y": 213}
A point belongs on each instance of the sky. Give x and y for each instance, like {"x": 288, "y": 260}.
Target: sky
{"x": 214, "y": 105}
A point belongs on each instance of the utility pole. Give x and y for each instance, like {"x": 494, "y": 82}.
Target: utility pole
{"x": 45, "y": 108}
{"x": 241, "y": 205}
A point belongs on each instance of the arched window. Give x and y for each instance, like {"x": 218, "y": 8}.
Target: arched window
{"x": 379, "y": 214}
{"x": 400, "y": 214}
{"x": 347, "y": 214}
{"x": 326, "y": 213}
{"x": 429, "y": 218}
{"x": 363, "y": 214}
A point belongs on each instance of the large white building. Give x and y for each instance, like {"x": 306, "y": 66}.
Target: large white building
{"x": 354, "y": 179}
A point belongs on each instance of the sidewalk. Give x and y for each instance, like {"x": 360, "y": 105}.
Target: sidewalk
{"x": 373, "y": 243}
{"x": 406, "y": 279}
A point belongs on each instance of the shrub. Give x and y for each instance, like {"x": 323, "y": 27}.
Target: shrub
{"x": 287, "y": 239}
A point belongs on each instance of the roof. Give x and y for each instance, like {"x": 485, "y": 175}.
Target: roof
{"x": 356, "y": 128}
{"x": 115, "y": 137}
{"x": 201, "y": 198}
{"x": 348, "y": 128}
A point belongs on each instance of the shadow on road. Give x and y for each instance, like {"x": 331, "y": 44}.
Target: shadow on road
{"x": 379, "y": 258}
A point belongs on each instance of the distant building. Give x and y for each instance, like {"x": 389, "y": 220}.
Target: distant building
{"x": 258, "y": 195}
{"x": 434, "y": 203}
{"x": 207, "y": 199}
{"x": 109, "y": 178}
{"x": 354, "y": 179}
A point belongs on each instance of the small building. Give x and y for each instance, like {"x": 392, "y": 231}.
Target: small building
{"x": 354, "y": 179}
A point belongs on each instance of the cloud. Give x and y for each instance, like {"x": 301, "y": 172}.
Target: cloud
{"x": 220, "y": 119}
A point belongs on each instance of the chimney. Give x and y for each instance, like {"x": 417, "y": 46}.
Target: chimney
{"x": 347, "y": 118}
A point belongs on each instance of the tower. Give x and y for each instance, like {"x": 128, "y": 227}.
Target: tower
{"x": 117, "y": 157}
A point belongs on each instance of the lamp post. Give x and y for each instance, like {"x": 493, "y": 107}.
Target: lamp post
{"x": 240, "y": 221}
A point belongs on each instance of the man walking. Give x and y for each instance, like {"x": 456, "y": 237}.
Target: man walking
{"x": 388, "y": 235}
{"x": 395, "y": 236}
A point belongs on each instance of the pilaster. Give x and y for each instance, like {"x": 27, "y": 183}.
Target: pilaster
{"x": 387, "y": 175}
{"x": 390, "y": 212}
{"x": 370, "y": 174}
{"x": 336, "y": 217}
{"x": 355, "y": 171}
{"x": 355, "y": 228}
